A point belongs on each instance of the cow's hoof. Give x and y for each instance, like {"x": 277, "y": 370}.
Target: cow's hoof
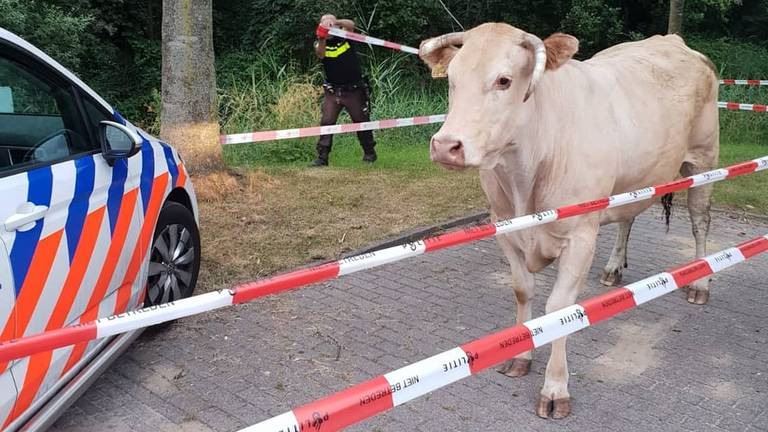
{"x": 698, "y": 297}
{"x": 611, "y": 278}
{"x": 560, "y": 408}
{"x": 516, "y": 367}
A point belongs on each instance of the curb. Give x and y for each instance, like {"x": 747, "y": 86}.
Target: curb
{"x": 420, "y": 233}
{"x": 474, "y": 218}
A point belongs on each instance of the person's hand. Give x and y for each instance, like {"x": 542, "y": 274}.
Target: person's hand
{"x": 328, "y": 21}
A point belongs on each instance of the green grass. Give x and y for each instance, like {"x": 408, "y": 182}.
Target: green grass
{"x": 748, "y": 192}
{"x": 405, "y": 149}
{"x": 270, "y": 95}
{"x": 743, "y": 136}
{"x": 742, "y": 127}
{"x": 408, "y": 152}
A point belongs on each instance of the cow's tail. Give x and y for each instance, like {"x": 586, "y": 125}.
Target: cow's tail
{"x": 666, "y": 203}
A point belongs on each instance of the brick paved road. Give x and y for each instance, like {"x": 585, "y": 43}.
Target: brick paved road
{"x": 665, "y": 366}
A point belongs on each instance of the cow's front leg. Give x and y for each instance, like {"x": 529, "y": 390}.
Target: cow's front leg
{"x": 575, "y": 260}
{"x": 523, "y": 286}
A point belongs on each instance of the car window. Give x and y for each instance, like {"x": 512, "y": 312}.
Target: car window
{"x": 39, "y": 120}
{"x": 95, "y": 113}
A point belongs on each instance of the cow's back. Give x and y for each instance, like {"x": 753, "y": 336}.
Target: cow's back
{"x": 664, "y": 64}
{"x": 653, "y": 93}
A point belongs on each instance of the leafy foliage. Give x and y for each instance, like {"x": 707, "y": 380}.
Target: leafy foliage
{"x": 596, "y": 24}
{"x": 114, "y": 45}
{"x": 61, "y": 33}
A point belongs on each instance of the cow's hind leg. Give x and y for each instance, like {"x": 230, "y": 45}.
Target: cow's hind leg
{"x": 572, "y": 271}
{"x": 523, "y": 286}
{"x": 702, "y": 155}
{"x": 698, "y": 208}
{"x": 618, "y": 260}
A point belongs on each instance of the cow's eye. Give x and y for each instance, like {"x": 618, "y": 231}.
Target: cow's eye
{"x": 502, "y": 83}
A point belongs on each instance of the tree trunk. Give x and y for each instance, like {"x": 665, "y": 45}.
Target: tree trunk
{"x": 189, "y": 111}
{"x": 675, "y": 17}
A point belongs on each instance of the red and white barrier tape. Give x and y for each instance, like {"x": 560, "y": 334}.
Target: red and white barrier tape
{"x": 329, "y": 130}
{"x": 274, "y": 135}
{"x": 371, "y": 40}
{"x": 743, "y": 82}
{"x": 146, "y": 317}
{"x": 387, "y": 391}
{"x": 735, "y": 106}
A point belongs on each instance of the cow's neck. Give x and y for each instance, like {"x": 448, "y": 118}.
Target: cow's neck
{"x": 516, "y": 177}
{"x": 536, "y": 167}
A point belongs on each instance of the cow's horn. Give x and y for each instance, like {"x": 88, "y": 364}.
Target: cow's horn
{"x": 450, "y": 39}
{"x": 540, "y": 54}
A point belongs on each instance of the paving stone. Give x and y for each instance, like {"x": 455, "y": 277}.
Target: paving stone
{"x": 667, "y": 366}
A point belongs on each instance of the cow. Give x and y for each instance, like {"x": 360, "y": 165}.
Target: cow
{"x": 545, "y": 130}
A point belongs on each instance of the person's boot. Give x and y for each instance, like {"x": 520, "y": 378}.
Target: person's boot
{"x": 370, "y": 156}
{"x": 322, "y": 159}
{"x": 319, "y": 162}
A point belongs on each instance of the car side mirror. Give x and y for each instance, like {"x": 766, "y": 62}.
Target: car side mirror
{"x": 117, "y": 141}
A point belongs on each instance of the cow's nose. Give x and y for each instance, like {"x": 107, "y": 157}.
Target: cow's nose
{"x": 447, "y": 151}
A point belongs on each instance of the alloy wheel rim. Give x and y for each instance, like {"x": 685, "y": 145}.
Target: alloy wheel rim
{"x": 170, "y": 265}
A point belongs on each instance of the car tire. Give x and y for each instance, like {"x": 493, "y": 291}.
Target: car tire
{"x": 174, "y": 261}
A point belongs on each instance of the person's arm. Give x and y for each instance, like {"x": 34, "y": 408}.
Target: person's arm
{"x": 326, "y": 21}
{"x": 320, "y": 48}
{"x": 346, "y": 24}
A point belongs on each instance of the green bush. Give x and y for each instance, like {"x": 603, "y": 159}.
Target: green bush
{"x": 59, "y": 33}
{"x": 595, "y": 23}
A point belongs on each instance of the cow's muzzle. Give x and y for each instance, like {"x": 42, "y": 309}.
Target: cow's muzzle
{"x": 447, "y": 151}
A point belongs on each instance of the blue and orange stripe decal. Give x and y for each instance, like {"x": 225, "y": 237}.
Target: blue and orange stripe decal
{"x": 182, "y": 176}
{"x": 39, "y": 364}
{"x": 78, "y": 209}
{"x": 108, "y": 269}
{"x": 116, "y": 191}
{"x": 142, "y": 243}
{"x": 170, "y": 161}
{"x": 118, "y": 117}
{"x": 156, "y": 187}
{"x": 40, "y": 186}
{"x": 29, "y": 295}
{"x": 147, "y": 171}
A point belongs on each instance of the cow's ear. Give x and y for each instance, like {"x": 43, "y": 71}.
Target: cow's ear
{"x": 437, "y": 58}
{"x": 560, "y": 48}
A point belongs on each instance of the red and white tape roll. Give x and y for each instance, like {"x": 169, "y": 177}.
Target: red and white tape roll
{"x": 371, "y": 40}
{"x": 329, "y": 130}
{"x": 735, "y": 106}
{"x": 387, "y": 391}
{"x": 146, "y": 317}
{"x": 743, "y": 82}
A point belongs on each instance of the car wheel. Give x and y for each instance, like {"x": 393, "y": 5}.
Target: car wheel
{"x": 175, "y": 259}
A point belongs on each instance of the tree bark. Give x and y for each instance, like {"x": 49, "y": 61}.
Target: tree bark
{"x": 189, "y": 116}
{"x": 675, "y": 17}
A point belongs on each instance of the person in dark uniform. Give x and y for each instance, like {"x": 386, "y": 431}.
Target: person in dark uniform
{"x": 344, "y": 87}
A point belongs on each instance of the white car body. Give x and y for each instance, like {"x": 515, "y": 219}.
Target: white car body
{"x": 75, "y": 237}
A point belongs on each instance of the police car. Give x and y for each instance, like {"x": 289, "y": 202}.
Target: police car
{"x": 96, "y": 217}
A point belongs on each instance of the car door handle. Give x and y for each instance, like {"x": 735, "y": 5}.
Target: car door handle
{"x": 26, "y": 216}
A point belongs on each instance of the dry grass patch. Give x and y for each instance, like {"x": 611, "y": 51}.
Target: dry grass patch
{"x": 265, "y": 223}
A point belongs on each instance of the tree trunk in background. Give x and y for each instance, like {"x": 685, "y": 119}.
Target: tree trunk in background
{"x": 189, "y": 112}
{"x": 675, "y": 17}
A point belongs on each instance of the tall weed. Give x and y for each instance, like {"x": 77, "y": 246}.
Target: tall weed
{"x": 262, "y": 93}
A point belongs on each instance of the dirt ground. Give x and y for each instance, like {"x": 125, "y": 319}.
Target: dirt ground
{"x": 254, "y": 223}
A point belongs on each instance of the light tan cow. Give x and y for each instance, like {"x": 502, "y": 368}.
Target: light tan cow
{"x": 546, "y": 131}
